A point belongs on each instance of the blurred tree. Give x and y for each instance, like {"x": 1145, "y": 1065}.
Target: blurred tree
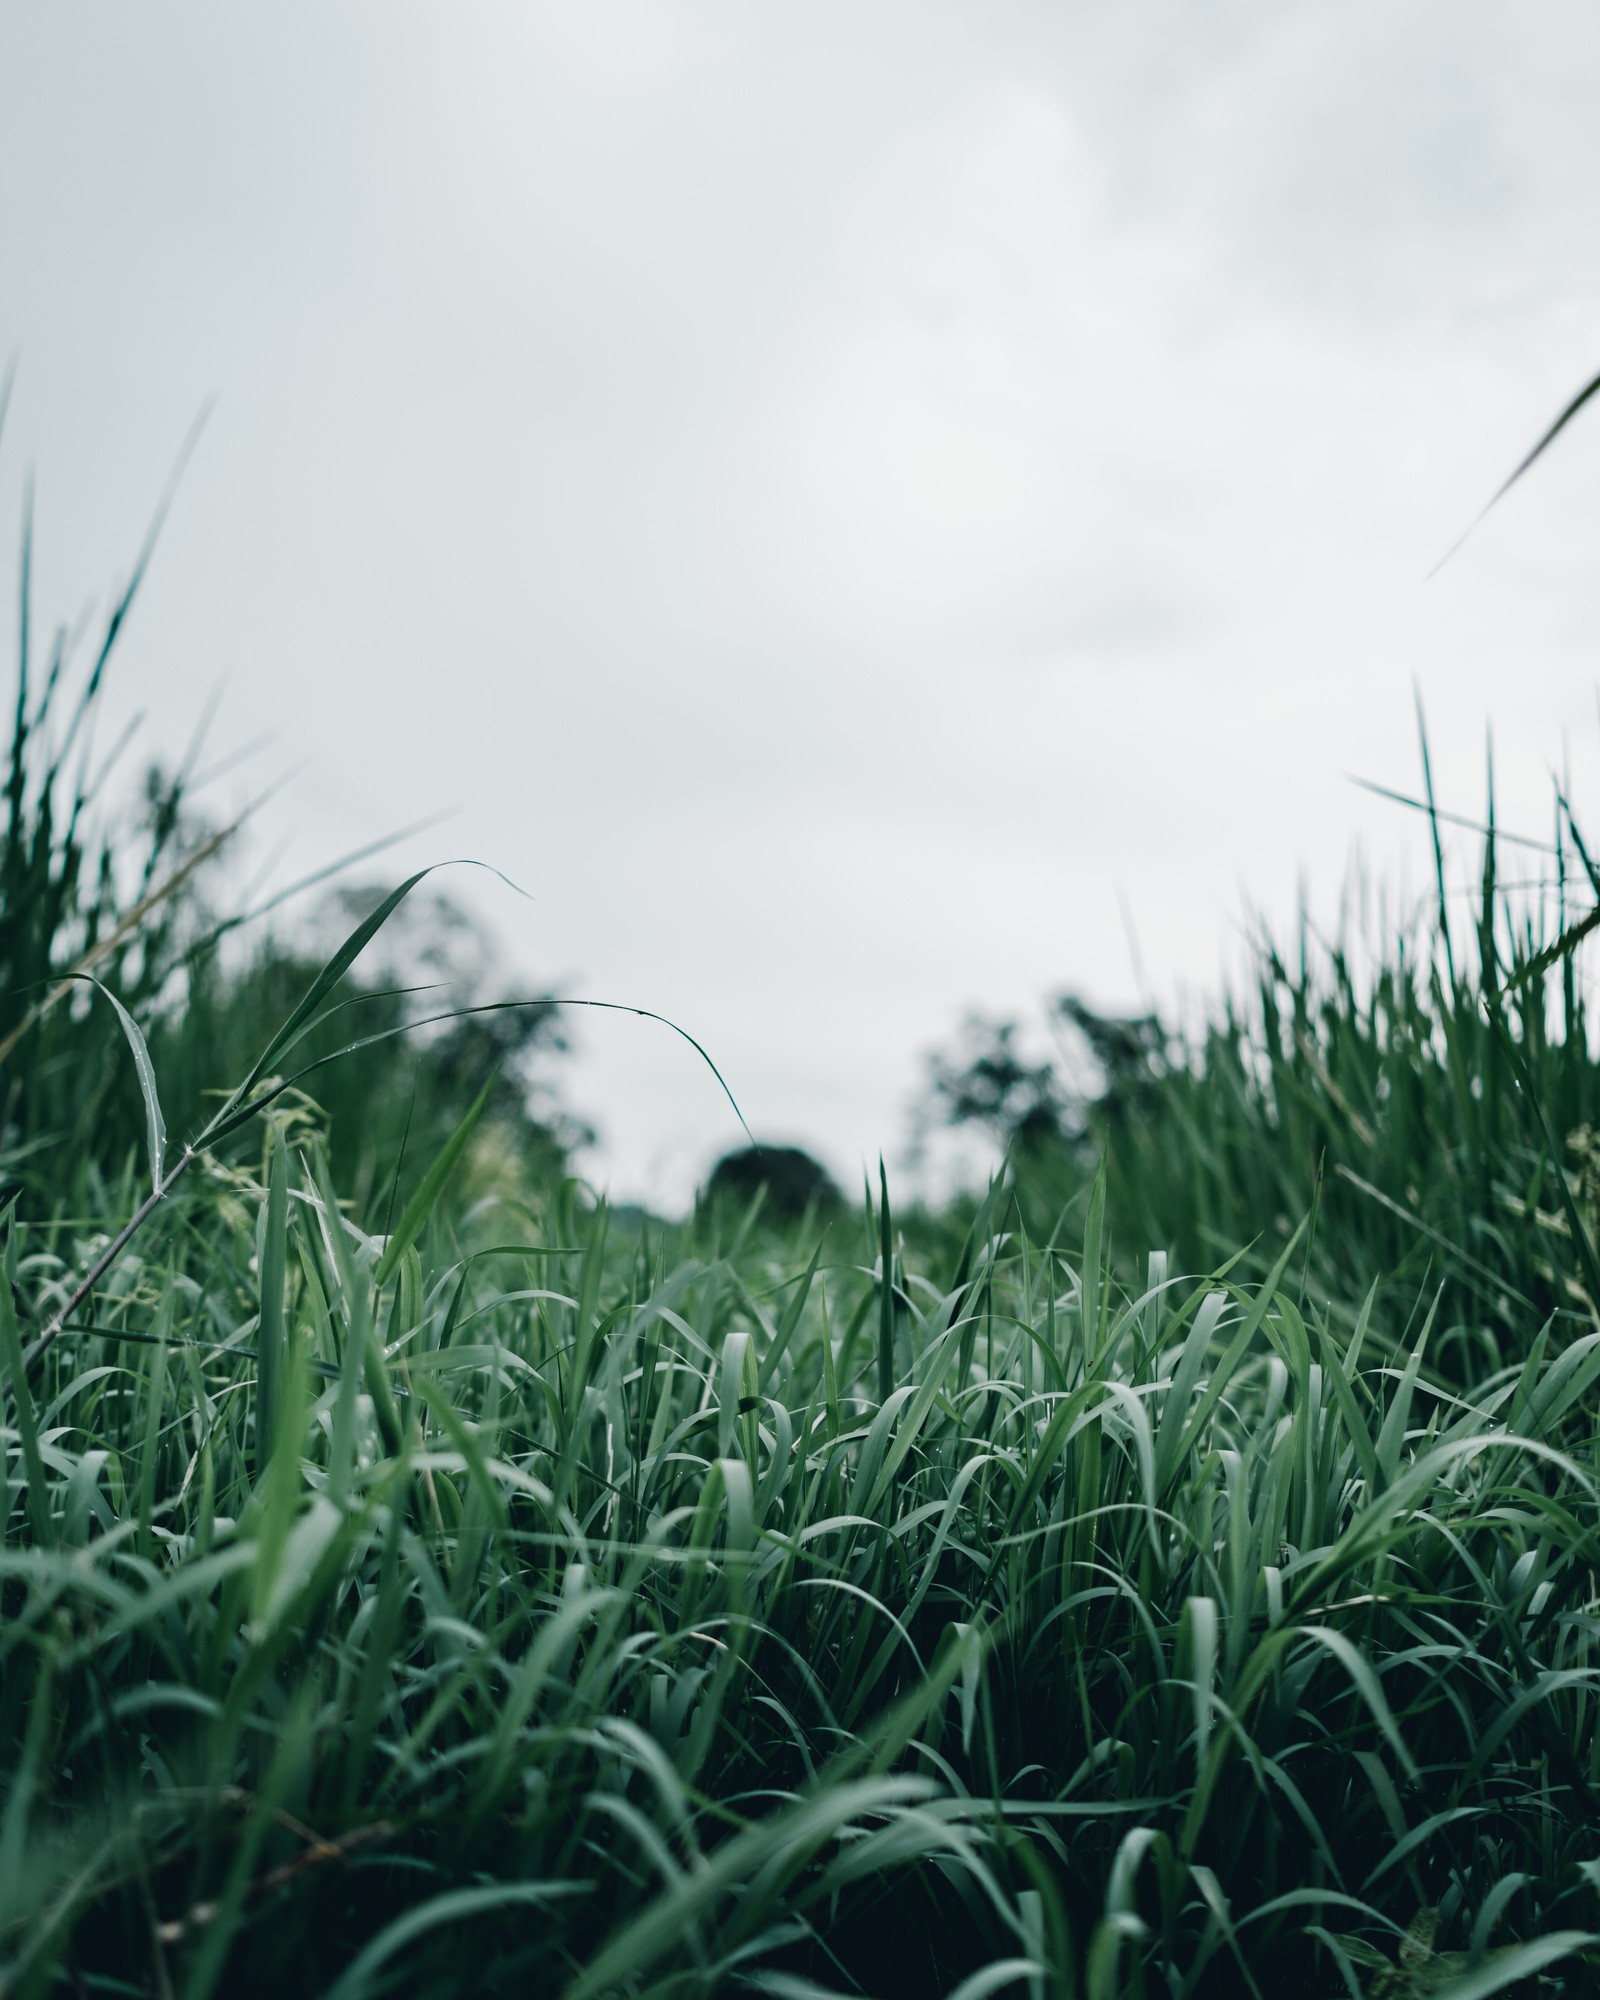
{"x": 398, "y": 1090}
{"x": 985, "y": 1082}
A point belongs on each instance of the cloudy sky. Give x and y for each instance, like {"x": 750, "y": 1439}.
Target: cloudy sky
{"x": 842, "y": 500}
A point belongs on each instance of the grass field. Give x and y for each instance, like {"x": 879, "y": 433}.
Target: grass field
{"x": 1172, "y": 1572}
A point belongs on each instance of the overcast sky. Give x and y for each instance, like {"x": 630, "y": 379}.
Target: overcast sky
{"x": 840, "y": 498}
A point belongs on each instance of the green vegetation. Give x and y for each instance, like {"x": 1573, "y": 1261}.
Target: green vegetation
{"x": 1171, "y": 1573}
{"x": 1437, "y": 1115}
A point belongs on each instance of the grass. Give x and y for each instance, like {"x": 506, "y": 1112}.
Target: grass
{"x": 1425, "y": 1091}
{"x": 1172, "y": 1573}
{"x": 753, "y": 1625}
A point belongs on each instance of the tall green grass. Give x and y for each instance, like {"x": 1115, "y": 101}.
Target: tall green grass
{"x": 1174, "y": 1574}
{"x": 1427, "y": 1092}
{"x": 543, "y": 1609}
{"x": 83, "y": 896}
{"x": 112, "y": 896}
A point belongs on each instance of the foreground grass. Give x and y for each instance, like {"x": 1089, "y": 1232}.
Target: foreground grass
{"x": 541, "y": 1607}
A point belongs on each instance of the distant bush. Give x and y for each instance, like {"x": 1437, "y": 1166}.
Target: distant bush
{"x": 790, "y": 1180}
